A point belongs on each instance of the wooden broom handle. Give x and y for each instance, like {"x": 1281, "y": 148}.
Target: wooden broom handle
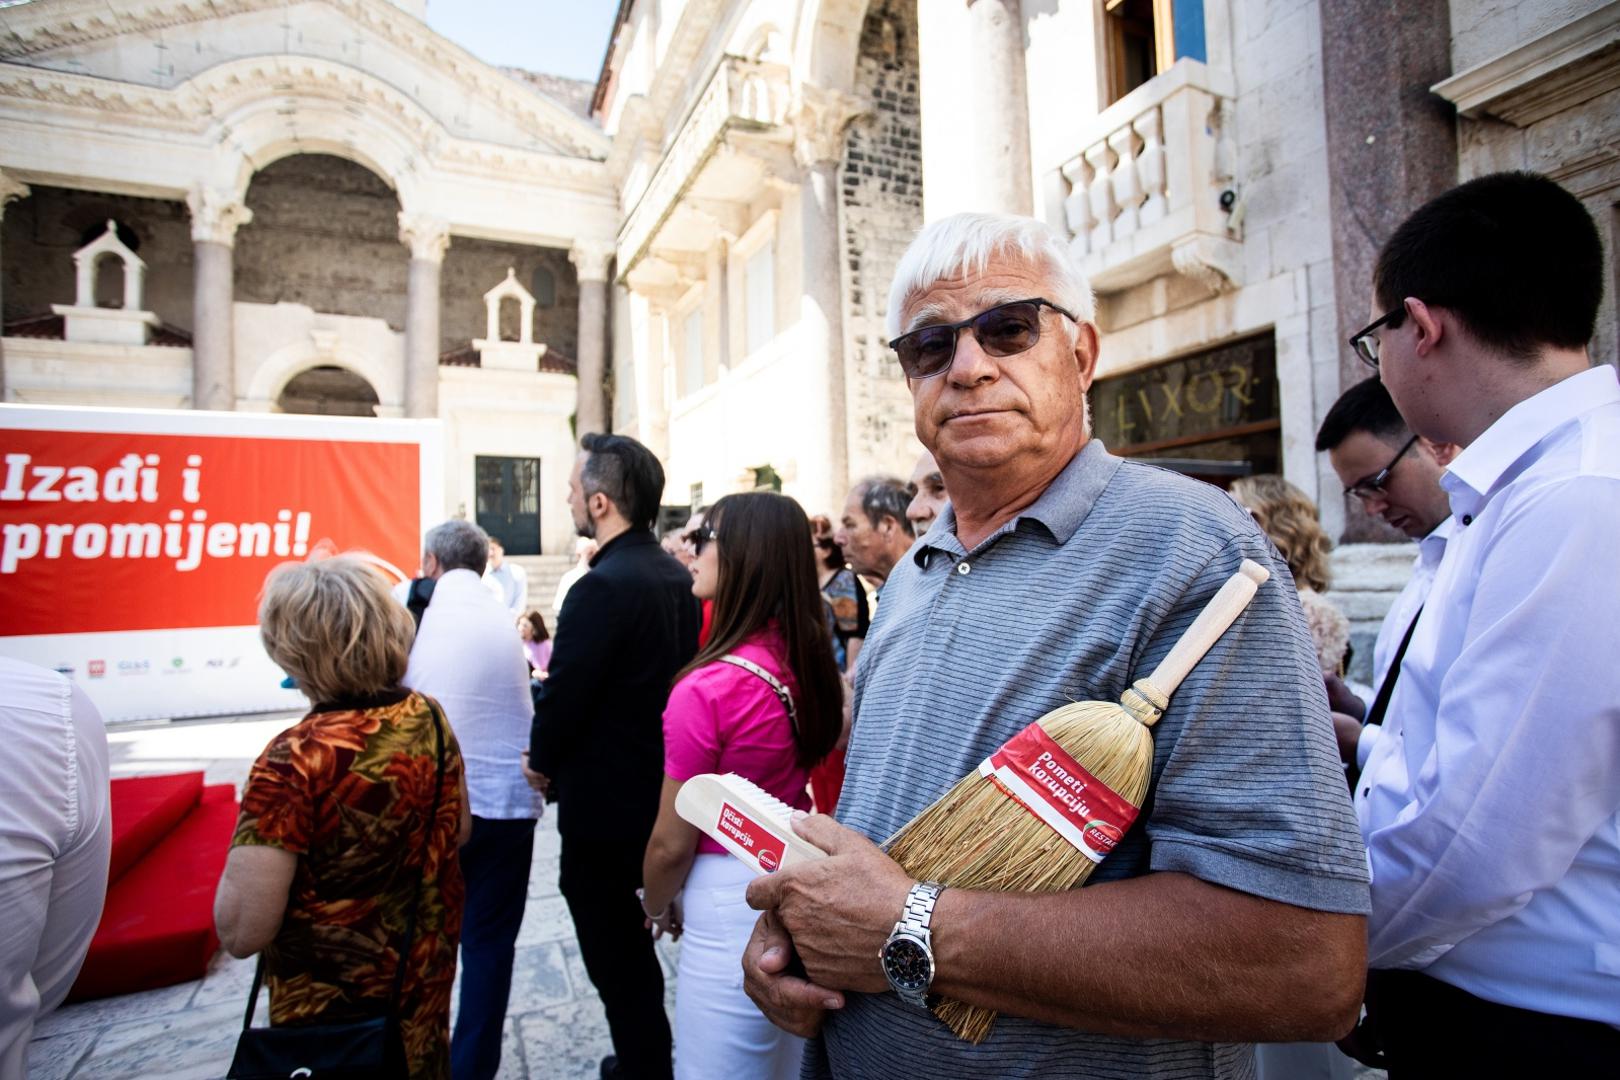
{"x": 1221, "y": 611}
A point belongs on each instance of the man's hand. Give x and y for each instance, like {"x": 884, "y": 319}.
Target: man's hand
{"x": 793, "y": 1004}
{"x": 838, "y": 910}
{"x": 539, "y": 781}
{"x": 1347, "y": 731}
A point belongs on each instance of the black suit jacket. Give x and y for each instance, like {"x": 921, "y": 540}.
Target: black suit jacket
{"x": 625, "y": 629}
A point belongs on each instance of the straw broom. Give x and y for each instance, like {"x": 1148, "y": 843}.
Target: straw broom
{"x": 997, "y": 831}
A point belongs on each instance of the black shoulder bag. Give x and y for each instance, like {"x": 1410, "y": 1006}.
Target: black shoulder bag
{"x": 359, "y": 1050}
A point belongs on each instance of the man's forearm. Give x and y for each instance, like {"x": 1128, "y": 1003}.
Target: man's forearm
{"x": 1160, "y": 956}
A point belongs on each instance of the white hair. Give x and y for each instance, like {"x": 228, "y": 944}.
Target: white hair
{"x": 964, "y": 245}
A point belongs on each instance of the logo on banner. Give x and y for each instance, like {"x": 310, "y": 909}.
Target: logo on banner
{"x": 98, "y": 669}
{"x": 65, "y": 669}
{"x": 134, "y": 667}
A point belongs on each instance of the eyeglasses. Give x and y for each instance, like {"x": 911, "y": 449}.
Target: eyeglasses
{"x": 1004, "y": 330}
{"x": 1369, "y": 486}
{"x": 699, "y": 537}
{"x": 1365, "y": 341}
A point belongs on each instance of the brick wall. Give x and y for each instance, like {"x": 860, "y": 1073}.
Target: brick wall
{"x": 881, "y": 212}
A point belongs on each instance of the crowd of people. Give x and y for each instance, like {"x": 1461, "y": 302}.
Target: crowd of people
{"x": 1421, "y": 869}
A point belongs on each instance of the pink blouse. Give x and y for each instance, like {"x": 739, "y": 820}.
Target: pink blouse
{"x": 722, "y": 718}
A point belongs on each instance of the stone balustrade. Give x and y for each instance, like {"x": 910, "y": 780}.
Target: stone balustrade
{"x": 1142, "y": 196}
{"x": 748, "y": 94}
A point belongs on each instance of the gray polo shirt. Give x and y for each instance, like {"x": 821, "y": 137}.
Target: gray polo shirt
{"x": 1072, "y": 600}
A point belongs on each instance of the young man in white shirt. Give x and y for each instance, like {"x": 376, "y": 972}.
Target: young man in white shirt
{"x": 1491, "y": 804}
{"x": 1396, "y": 475}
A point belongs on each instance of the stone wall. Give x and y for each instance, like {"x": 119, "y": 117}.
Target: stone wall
{"x": 325, "y": 233}
{"x": 473, "y": 267}
{"x": 42, "y": 232}
{"x": 881, "y": 212}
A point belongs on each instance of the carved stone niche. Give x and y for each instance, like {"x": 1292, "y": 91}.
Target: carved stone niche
{"x": 84, "y": 321}
{"x": 521, "y": 355}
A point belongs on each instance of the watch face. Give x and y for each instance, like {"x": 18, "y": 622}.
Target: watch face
{"x": 908, "y": 964}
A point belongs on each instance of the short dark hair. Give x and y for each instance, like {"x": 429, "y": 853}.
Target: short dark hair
{"x": 885, "y": 496}
{"x": 627, "y": 473}
{"x": 1367, "y": 407}
{"x": 1514, "y": 256}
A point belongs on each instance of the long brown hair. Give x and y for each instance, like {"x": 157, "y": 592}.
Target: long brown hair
{"x": 1287, "y": 515}
{"x": 767, "y": 571}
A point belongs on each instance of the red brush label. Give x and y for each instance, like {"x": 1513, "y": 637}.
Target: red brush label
{"x": 762, "y": 845}
{"x": 1054, "y": 787}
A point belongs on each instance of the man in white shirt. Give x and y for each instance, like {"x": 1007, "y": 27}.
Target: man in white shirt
{"x": 507, "y": 580}
{"x": 1396, "y": 475}
{"x": 55, "y": 839}
{"x": 1491, "y": 804}
{"x": 468, "y": 657}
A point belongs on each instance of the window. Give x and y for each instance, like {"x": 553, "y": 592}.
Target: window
{"x": 759, "y": 279}
{"x": 696, "y": 367}
{"x": 1145, "y": 37}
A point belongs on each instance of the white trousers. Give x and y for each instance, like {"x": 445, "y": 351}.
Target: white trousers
{"x": 718, "y": 1031}
{"x": 55, "y": 840}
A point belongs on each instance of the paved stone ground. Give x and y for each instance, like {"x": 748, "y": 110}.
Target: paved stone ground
{"x": 554, "y": 1025}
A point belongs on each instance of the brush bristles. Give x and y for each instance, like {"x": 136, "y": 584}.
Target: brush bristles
{"x": 977, "y": 836}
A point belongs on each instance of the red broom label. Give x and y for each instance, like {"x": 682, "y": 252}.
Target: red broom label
{"x": 760, "y": 844}
{"x": 1054, "y": 787}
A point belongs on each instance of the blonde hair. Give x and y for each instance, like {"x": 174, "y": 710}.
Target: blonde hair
{"x": 1288, "y": 516}
{"x": 335, "y": 628}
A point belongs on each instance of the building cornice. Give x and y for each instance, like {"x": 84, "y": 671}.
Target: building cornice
{"x": 1562, "y": 68}
{"x": 36, "y": 29}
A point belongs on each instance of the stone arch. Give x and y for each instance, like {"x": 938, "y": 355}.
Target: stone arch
{"x": 269, "y": 107}
{"x": 827, "y": 41}
{"x": 272, "y": 377}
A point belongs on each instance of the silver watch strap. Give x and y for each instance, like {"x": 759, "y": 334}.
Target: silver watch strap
{"x": 919, "y": 909}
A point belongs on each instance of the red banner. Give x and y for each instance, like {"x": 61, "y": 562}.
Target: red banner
{"x": 105, "y": 531}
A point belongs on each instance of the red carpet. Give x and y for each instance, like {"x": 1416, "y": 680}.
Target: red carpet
{"x": 170, "y": 838}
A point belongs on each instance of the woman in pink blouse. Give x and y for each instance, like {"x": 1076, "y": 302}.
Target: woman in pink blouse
{"x": 754, "y": 559}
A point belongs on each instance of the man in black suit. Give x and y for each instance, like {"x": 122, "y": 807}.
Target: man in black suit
{"x": 597, "y": 745}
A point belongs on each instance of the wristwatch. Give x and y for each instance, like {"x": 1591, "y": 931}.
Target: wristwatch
{"x": 908, "y": 955}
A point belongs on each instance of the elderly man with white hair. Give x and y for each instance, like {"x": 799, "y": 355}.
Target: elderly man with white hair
{"x": 1233, "y": 911}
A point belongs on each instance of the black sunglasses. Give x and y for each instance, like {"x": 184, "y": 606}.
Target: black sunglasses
{"x": 700, "y": 537}
{"x": 1365, "y": 342}
{"x": 1368, "y": 486}
{"x": 1004, "y": 330}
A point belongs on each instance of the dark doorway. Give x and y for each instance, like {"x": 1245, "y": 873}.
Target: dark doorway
{"x": 328, "y": 391}
{"x": 509, "y": 502}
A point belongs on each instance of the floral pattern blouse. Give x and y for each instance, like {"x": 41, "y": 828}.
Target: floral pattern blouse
{"x": 348, "y": 789}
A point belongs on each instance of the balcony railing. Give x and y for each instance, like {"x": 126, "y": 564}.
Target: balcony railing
{"x": 744, "y": 94}
{"x": 1142, "y": 197}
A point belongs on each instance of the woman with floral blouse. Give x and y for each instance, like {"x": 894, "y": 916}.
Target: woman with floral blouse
{"x": 333, "y": 848}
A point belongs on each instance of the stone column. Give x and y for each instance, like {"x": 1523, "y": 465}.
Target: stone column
{"x": 427, "y": 237}
{"x": 1391, "y": 146}
{"x": 1000, "y": 121}
{"x": 215, "y": 217}
{"x": 820, "y": 122}
{"x": 591, "y": 259}
{"x": 10, "y": 189}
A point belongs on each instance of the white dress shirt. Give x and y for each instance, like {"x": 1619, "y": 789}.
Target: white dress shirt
{"x": 510, "y": 585}
{"x": 469, "y": 658}
{"x": 55, "y": 841}
{"x": 1400, "y": 615}
{"x": 1491, "y": 804}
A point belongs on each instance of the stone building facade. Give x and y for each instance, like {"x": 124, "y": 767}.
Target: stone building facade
{"x": 728, "y": 214}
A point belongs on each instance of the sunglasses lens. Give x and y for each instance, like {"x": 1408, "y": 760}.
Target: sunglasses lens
{"x": 926, "y": 351}
{"x": 1008, "y": 330}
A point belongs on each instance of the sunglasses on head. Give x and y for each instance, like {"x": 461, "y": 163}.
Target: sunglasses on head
{"x": 1004, "y": 330}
